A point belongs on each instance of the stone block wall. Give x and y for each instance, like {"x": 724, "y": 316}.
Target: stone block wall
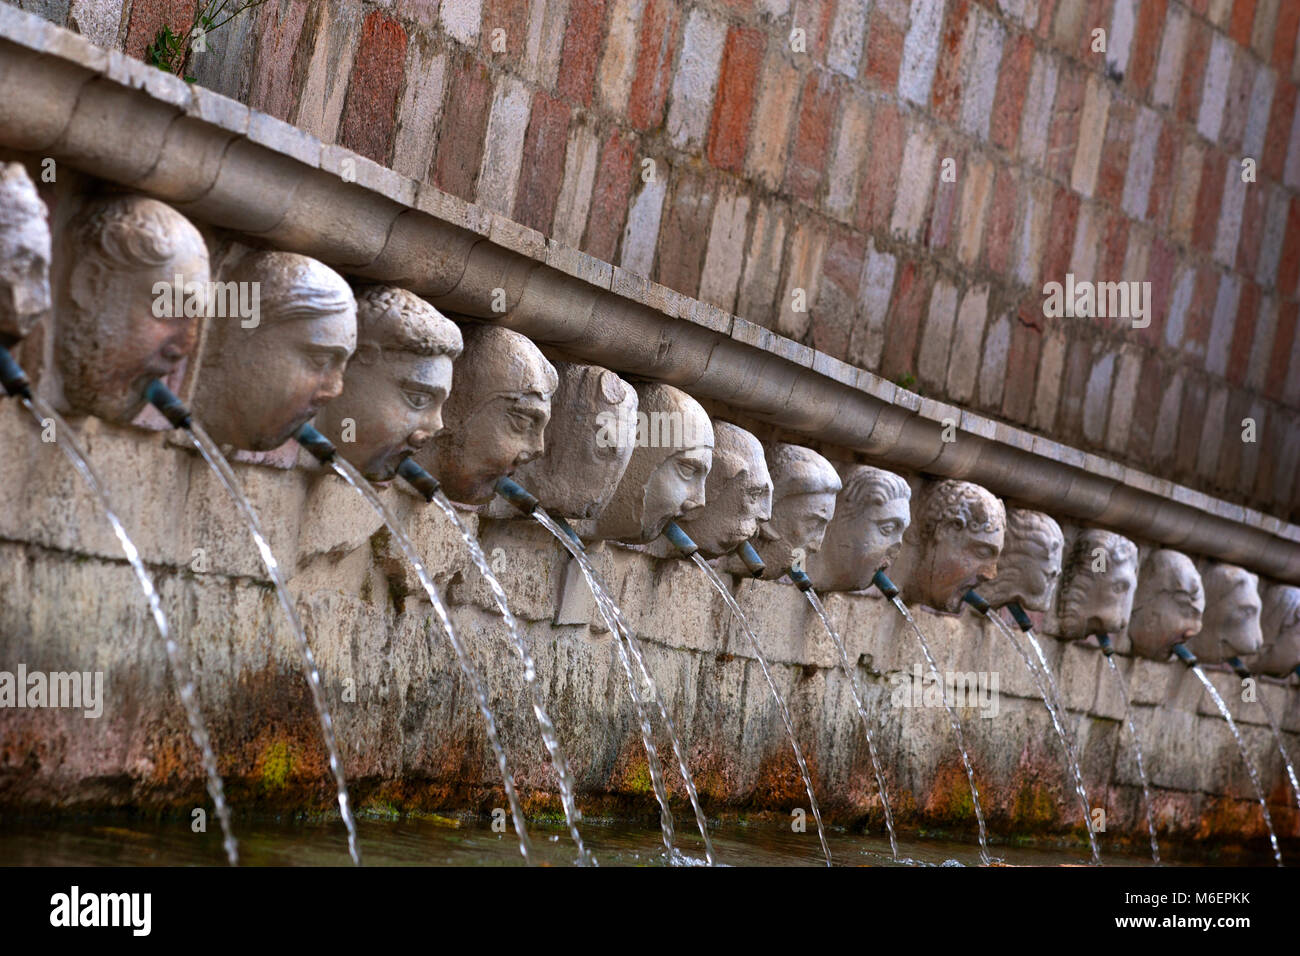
{"x": 814, "y": 164}
{"x": 409, "y": 730}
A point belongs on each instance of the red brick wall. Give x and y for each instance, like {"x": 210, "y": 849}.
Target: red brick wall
{"x": 779, "y": 171}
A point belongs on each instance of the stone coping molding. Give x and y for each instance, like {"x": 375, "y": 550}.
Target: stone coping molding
{"x": 221, "y": 162}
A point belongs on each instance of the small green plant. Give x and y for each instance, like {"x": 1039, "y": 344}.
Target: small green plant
{"x": 906, "y": 380}
{"x": 171, "y": 51}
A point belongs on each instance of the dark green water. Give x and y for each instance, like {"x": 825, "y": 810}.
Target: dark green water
{"x": 435, "y": 842}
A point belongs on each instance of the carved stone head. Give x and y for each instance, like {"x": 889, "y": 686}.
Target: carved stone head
{"x": 1168, "y": 605}
{"x": 24, "y": 255}
{"x": 495, "y": 416}
{"x": 665, "y": 478}
{"x": 263, "y": 377}
{"x": 804, "y": 486}
{"x": 739, "y": 492}
{"x": 1030, "y": 563}
{"x": 959, "y": 532}
{"x": 117, "y": 327}
{"x": 1280, "y": 622}
{"x": 586, "y": 454}
{"x": 1097, "y": 585}
{"x": 866, "y": 532}
{"x": 395, "y": 384}
{"x": 1231, "y": 625}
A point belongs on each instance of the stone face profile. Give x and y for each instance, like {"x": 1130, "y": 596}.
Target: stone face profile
{"x": 959, "y": 532}
{"x": 123, "y": 257}
{"x": 1098, "y": 581}
{"x": 396, "y": 382}
{"x": 738, "y": 491}
{"x": 1030, "y": 563}
{"x": 24, "y": 255}
{"x": 1280, "y": 623}
{"x": 665, "y": 478}
{"x": 261, "y": 378}
{"x": 496, "y": 414}
{"x": 804, "y": 486}
{"x": 1168, "y": 605}
{"x": 1231, "y": 626}
{"x": 583, "y": 460}
{"x": 866, "y": 532}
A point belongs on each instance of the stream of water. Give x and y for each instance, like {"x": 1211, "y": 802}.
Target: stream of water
{"x": 176, "y": 659}
{"x": 525, "y": 654}
{"x": 1281, "y": 747}
{"x": 623, "y": 635}
{"x": 956, "y": 729}
{"x": 852, "y": 676}
{"x": 226, "y": 475}
{"x": 1053, "y": 704}
{"x": 1137, "y": 753}
{"x": 786, "y": 719}
{"x": 1245, "y": 757}
{"x": 354, "y": 478}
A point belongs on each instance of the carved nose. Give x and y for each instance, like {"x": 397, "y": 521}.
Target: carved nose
{"x": 330, "y": 389}
{"x": 419, "y": 438}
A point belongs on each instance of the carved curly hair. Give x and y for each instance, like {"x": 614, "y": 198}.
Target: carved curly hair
{"x": 961, "y": 504}
{"x": 1074, "y": 584}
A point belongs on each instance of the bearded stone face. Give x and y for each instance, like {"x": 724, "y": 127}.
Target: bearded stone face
{"x": 738, "y": 492}
{"x": 1030, "y": 564}
{"x": 116, "y": 328}
{"x": 1097, "y": 585}
{"x": 1168, "y": 606}
{"x": 960, "y": 534}
{"x": 1280, "y": 623}
{"x": 1232, "y": 615}
{"x": 586, "y": 448}
{"x": 872, "y": 511}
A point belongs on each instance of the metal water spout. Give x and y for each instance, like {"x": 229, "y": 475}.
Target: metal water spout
{"x": 12, "y": 377}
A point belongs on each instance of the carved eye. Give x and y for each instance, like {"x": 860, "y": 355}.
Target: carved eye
{"x": 686, "y": 470}
{"x": 889, "y": 527}
{"x": 1119, "y": 587}
{"x": 520, "y": 422}
{"x": 418, "y": 400}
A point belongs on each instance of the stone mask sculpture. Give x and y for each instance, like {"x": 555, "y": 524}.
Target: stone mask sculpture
{"x": 866, "y": 532}
{"x": 495, "y": 416}
{"x": 24, "y": 255}
{"x": 804, "y": 486}
{"x": 665, "y": 478}
{"x": 116, "y": 330}
{"x": 738, "y": 490}
{"x": 1280, "y": 623}
{"x": 1097, "y": 585}
{"x": 261, "y": 378}
{"x": 960, "y": 530}
{"x": 1168, "y": 605}
{"x": 1231, "y": 625}
{"x": 1030, "y": 563}
{"x": 395, "y": 384}
{"x": 584, "y": 459}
